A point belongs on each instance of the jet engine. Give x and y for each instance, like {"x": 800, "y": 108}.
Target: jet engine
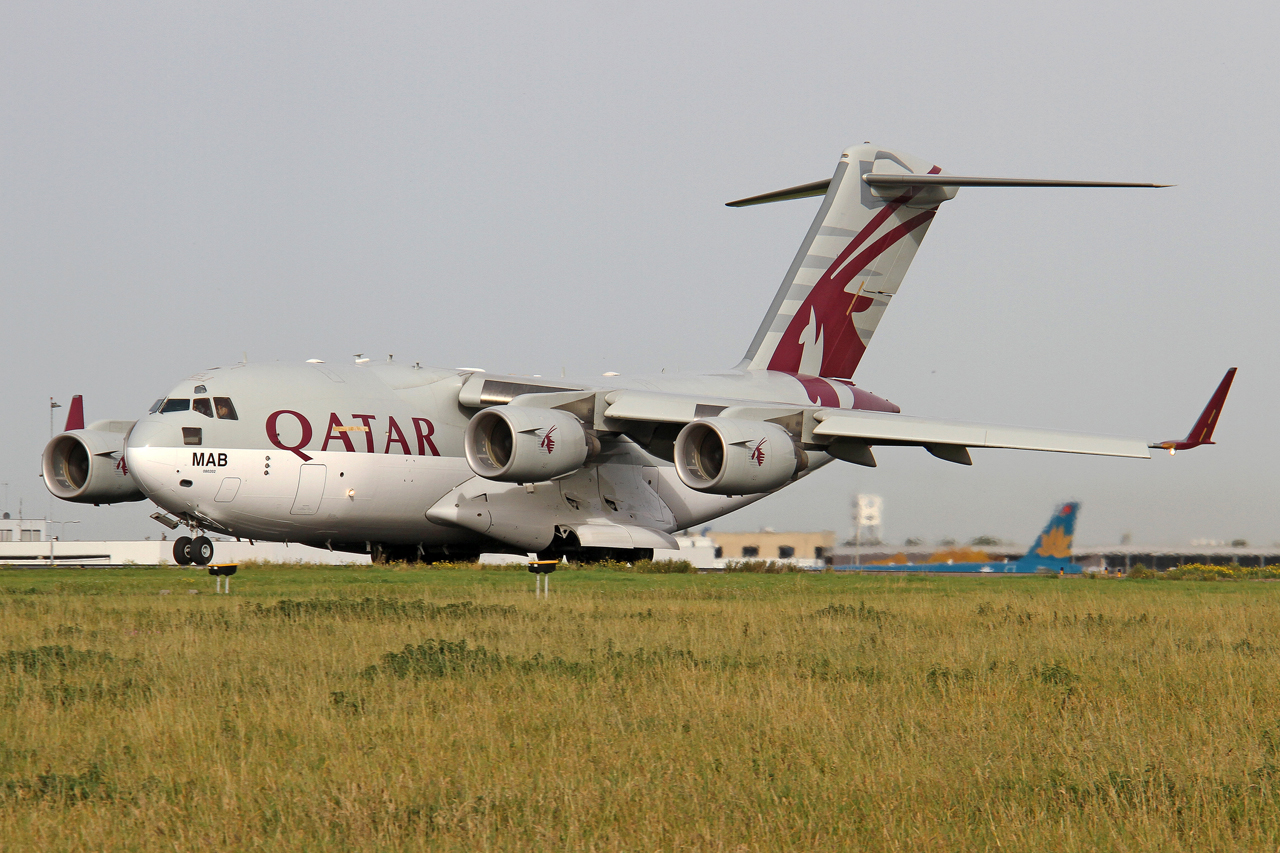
{"x": 725, "y": 456}
{"x": 87, "y": 465}
{"x": 515, "y": 444}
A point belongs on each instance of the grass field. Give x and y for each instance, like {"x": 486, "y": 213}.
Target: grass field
{"x": 383, "y": 709}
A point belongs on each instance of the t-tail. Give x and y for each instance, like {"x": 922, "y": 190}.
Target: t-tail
{"x": 1052, "y": 549}
{"x": 875, "y": 211}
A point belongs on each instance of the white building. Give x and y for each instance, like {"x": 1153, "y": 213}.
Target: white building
{"x": 23, "y": 529}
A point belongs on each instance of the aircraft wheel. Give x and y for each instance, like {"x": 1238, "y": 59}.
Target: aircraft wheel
{"x": 182, "y": 550}
{"x": 201, "y": 550}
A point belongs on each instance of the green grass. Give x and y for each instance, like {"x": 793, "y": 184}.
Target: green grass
{"x": 417, "y": 708}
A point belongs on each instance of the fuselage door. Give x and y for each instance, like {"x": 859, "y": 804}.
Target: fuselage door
{"x": 227, "y": 491}
{"x": 310, "y": 490}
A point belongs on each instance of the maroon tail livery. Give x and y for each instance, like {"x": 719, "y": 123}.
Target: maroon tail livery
{"x": 849, "y": 266}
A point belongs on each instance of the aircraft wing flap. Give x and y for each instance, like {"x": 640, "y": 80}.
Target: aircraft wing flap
{"x": 604, "y": 534}
{"x": 641, "y": 406}
{"x": 907, "y": 430}
{"x": 875, "y": 427}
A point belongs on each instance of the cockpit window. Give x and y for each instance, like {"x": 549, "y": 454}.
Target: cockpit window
{"x": 226, "y": 411}
{"x": 172, "y": 405}
{"x": 202, "y": 406}
{"x": 155, "y": 407}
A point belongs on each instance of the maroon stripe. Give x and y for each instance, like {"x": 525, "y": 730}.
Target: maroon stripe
{"x": 830, "y": 304}
{"x": 841, "y": 355}
{"x": 871, "y": 228}
{"x": 820, "y": 391}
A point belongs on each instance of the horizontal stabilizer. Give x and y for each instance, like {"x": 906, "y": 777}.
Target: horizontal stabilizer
{"x": 874, "y": 179}
{"x": 802, "y": 191}
{"x": 889, "y": 180}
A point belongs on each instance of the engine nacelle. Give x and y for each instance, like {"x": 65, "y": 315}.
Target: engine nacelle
{"x": 515, "y": 444}
{"x": 726, "y": 456}
{"x": 87, "y": 465}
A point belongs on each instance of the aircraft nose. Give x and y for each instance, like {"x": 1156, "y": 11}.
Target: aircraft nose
{"x": 147, "y": 452}
{"x": 154, "y": 434}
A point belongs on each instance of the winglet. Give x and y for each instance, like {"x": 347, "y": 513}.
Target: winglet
{"x": 75, "y": 415}
{"x": 1202, "y": 432}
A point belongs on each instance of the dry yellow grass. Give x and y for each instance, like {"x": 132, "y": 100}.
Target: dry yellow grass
{"x": 771, "y": 712}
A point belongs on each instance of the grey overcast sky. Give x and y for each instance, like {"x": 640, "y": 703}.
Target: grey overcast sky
{"x": 537, "y": 187}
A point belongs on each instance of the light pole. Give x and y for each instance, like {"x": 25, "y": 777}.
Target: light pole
{"x": 63, "y": 529}
{"x": 53, "y": 539}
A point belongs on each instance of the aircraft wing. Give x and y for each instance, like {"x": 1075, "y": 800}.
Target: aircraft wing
{"x": 886, "y": 428}
{"x": 848, "y": 434}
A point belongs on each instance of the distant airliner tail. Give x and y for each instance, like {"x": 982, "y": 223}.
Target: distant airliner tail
{"x": 1052, "y": 548}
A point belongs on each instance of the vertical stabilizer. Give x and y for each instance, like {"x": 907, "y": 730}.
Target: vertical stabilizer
{"x": 1052, "y": 548}
{"x": 849, "y": 266}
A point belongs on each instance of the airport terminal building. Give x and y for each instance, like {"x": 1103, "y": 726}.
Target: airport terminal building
{"x": 1101, "y": 558}
{"x": 1124, "y": 557}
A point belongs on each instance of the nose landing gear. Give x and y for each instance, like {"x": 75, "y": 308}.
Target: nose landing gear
{"x": 188, "y": 551}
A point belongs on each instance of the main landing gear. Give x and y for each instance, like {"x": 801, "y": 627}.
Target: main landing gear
{"x": 188, "y": 551}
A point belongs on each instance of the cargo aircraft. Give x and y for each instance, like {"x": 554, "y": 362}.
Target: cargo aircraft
{"x": 406, "y": 462}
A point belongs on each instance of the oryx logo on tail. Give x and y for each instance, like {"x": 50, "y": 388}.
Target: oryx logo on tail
{"x": 847, "y": 270}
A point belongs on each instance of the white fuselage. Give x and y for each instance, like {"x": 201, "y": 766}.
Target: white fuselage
{"x": 350, "y": 454}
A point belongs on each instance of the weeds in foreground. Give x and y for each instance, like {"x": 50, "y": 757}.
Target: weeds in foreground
{"x": 456, "y": 712}
{"x": 767, "y": 567}
{"x": 376, "y": 608}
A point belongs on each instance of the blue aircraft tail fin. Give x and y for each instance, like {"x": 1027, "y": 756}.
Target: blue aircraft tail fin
{"x": 1052, "y": 547}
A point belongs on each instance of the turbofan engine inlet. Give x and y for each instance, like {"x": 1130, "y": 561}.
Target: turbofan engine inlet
{"x": 514, "y": 444}
{"x": 725, "y": 456}
{"x": 87, "y": 466}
